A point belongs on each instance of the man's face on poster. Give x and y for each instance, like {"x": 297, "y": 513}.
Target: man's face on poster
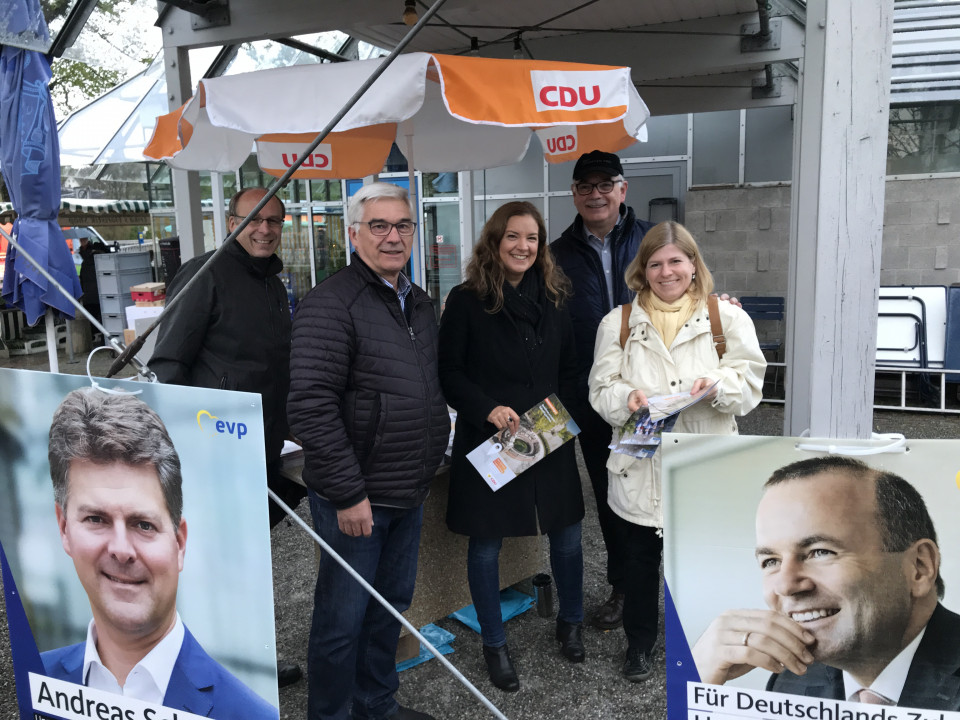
{"x": 820, "y": 551}
{"x": 127, "y": 552}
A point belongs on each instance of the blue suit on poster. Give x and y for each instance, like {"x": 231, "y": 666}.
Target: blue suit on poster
{"x": 198, "y": 684}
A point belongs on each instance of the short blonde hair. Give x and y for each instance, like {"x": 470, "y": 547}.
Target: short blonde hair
{"x": 659, "y": 236}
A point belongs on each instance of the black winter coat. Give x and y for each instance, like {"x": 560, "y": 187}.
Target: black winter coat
{"x": 231, "y": 333}
{"x": 483, "y": 364}
{"x": 589, "y": 302}
{"x": 365, "y": 399}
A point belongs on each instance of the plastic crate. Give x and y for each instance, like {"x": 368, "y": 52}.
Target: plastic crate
{"x": 113, "y": 322}
{"x": 119, "y": 283}
{"x": 118, "y": 262}
{"x": 112, "y": 304}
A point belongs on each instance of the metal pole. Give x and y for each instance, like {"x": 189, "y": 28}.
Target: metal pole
{"x": 277, "y": 184}
{"x": 389, "y": 608}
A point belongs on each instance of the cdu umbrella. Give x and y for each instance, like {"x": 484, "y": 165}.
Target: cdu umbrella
{"x": 444, "y": 112}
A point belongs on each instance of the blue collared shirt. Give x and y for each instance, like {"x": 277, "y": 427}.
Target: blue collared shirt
{"x": 605, "y": 250}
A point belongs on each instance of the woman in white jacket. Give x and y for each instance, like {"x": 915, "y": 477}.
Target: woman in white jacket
{"x": 669, "y": 350}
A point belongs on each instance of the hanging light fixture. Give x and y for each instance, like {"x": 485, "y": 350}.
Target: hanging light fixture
{"x": 474, "y": 46}
{"x": 410, "y": 16}
{"x": 517, "y": 48}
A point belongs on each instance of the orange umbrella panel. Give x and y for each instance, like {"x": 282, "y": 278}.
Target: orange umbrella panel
{"x": 354, "y": 153}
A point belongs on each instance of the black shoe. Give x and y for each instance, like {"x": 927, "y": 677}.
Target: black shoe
{"x": 637, "y": 668}
{"x": 500, "y": 666}
{"x": 287, "y": 673}
{"x": 570, "y": 636}
{"x": 609, "y": 616}
{"x": 404, "y": 713}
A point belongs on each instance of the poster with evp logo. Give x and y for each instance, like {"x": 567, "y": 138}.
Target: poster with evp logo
{"x": 135, "y": 549}
{"x": 805, "y": 579}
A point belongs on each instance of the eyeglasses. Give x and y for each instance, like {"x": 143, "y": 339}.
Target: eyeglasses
{"x": 604, "y": 186}
{"x": 272, "y": 223}
{"x": 381, "y": 228}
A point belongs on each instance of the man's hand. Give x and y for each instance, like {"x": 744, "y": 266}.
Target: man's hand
{"x": 740, "y": 640}
{"x": 357, "y": 520}
{"x": 731, "y": 300}
{"x": 636, "y": 400}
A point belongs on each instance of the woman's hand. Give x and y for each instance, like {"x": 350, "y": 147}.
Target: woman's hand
{"x": 698, "y": 386}
{"x": 636, "y": 400}
{"x": 503, "y": 417}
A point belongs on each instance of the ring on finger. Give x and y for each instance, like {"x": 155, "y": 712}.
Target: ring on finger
{"x": 746, "y": 637}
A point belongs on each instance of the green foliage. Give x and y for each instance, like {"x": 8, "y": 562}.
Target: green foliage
{"x": 70, "y": 76}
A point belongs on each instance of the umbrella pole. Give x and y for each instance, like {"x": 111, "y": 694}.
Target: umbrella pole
{"x": 51, "y": 340}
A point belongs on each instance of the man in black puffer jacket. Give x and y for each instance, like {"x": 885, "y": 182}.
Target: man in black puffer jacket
{"x": 232, "y": 332}
{"x": 594, "y": 253}
{"x": 365, "y": 401}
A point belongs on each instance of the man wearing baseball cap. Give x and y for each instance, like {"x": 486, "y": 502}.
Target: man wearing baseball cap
{"x": 594, "y": 253}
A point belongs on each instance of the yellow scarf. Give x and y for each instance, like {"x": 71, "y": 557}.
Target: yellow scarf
{"x": 668, "y": 318}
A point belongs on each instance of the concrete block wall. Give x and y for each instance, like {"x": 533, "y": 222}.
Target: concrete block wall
{"x": 744, "y": 234}
{"x": 921, "y": 232}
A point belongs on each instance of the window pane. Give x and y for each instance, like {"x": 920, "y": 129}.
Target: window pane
{"x": 667, "y": 136}
{"x": 716, "y": 147}
{"x": 441, "y": 233}
{"x": 768, "y": 155}
{"x": 525, "y": 176}
{"x": 924, "y": 139}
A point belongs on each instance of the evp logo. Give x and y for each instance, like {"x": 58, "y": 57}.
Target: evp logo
{"x": 578, "y": 90}
{"x": 215, "y": 426}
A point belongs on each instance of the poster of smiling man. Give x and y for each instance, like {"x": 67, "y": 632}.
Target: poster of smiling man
{"x": 808, "y": 580}
{"x": 135, "y": 548}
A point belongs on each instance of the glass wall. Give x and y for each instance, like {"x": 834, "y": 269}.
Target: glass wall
{"x": 716, "y": 147}
{"x": 768, "y": 146}
{"x": 924, "y": 139}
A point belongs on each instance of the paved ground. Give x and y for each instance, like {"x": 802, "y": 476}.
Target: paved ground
{"x": 551, "y": 687}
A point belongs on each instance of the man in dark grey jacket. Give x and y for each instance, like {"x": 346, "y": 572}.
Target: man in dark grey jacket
{"x": 365, "y": 401}
{"x": 594, "y": 253}
{"x": 232, "y": 332}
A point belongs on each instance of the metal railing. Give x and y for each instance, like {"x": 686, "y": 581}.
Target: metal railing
{"x": 936, "y": 404}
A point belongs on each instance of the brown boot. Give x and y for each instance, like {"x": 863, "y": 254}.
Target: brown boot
{"x": 609, "y": 616}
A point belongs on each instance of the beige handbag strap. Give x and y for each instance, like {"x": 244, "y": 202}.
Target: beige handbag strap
{"x": 719, "y": 341}
{"x": 624, "y": 324}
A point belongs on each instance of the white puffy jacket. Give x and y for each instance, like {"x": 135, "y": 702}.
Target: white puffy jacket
{"x": 646, "y": 364}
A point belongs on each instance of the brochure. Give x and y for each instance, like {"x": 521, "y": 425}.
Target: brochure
{"x": 640, "y": 435}
{"x": 542, "y": 429}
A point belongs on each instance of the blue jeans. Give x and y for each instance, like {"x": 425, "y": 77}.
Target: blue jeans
{"x": 483, "y": 573}
{"x": 351, "y": 668}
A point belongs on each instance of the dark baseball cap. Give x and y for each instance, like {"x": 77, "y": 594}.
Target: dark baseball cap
{"x": 597, "y": 161}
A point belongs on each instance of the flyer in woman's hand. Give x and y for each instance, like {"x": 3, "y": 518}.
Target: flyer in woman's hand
{"x": 640, "y": 435}
{"x": 541, "y": 430}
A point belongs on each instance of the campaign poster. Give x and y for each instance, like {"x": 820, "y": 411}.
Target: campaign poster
{"x": 811, "y": 563}
{"x": 163, "y": 544}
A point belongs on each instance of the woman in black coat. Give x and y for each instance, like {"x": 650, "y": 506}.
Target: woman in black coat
{"x": 506, "y": 343}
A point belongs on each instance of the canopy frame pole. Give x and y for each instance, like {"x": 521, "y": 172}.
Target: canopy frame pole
{"x": 487, "y": 703}
{"x": 135, "y": 346}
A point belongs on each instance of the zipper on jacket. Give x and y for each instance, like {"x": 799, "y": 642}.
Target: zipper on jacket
{"x": 428, "y": 399}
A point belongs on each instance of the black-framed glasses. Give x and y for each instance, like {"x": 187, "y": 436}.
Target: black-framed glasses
{"x": 604, "y": 186}
{"x": 381, "y": 228}
{"x": 272, "y": 223}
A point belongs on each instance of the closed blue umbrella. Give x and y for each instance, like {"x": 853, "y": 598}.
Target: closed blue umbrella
{"x": 29, "y": 153}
